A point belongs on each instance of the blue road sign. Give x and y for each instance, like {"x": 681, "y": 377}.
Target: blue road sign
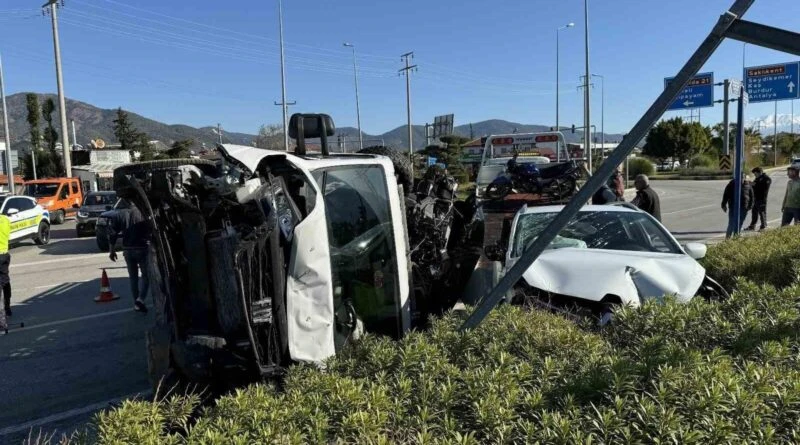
{"x": 699, "y": 92}
{"x": 431, "y": 161}
{"x": 769, "y": 83}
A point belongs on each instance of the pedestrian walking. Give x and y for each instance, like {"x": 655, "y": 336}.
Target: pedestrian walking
{"x": 5, "y": 279}
{"x": 791, "y": 201}
{"x": 745, "y": 205}
{"x": 136, "y": 246}
{"x": 617, "y": 184}
{"x": 760, "y": 192}
{"x": 646, "y": 198}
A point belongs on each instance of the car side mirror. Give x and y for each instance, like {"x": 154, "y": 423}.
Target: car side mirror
{"x": 495, "y": 252}
{"x": 11, "y": 212}
{"x": 696, "y": 250}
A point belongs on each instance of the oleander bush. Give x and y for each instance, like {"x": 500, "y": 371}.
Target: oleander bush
{"x": 667, "y": 372}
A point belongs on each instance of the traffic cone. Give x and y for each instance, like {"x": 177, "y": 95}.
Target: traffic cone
{"x": 105, "y": 290}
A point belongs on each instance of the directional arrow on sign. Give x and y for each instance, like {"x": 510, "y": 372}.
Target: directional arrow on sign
{"x": 687, "y": 103}
{"x": 791, "y": 87}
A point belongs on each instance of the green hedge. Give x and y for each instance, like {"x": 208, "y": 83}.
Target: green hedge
{"x": 667, "y": 372}
{"x": 640, "y": 166}
{"x": 769, "y": 258}
{"x": 704, "y": 161}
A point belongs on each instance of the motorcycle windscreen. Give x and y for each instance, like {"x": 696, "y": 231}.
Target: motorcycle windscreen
{"x": 309, "y": 290}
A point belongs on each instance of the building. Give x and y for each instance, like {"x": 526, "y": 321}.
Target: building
{"x": 98, "y": 173}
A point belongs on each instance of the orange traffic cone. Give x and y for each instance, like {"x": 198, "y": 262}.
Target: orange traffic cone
{"x": 105, "y": 290}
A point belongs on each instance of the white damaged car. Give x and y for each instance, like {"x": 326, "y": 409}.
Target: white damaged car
{"x": 608, "y": 255}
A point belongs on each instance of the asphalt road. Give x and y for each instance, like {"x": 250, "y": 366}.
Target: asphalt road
{"x": 75, "y": 357}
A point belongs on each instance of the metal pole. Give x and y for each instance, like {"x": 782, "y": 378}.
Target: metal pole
{"x": 219, "y": 133}
{"x": 9, "y": 167}
{"x": 726, "y": 118}
{"x": 775, "y": 135}
{"x": 407, "y": 72}
{"x": 284, "y": 105}
{"x": 558, "y": 68}
{"x": 60, "y": 81}
{"x": 33, "y": 162}
{"x": 358, "y": 109}
{"x": 737, "y": 169}
{"x": 602, "y": 114}
{"x": 586, "y": 97}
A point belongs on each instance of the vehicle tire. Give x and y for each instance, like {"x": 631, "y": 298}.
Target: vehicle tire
{"x": 565, "y": 188}
{"x": 402, "y": 165}
{"x": 42, "y": 236}
{"x": 59, "y": 217}
{"x": 606, "y": 316}
{"x": 122, "y": 185}
{"x": 497, "y": 191}
{"x": 711, "y": 290}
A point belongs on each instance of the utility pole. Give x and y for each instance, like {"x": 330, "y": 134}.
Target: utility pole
{"x": 219, "y": 133}
{"x": 586, "y": 97}
{"x": 407, "y": 72}
{"x": 62, "y": 106}
{"x": 602, "y": 114}
{"x": 284, "y": 105}
{"x": 726, "y": 117}
{"x": 775, "y": 135}
{"x": 358, "y": 107}
{"x": 471, "y": 133}
{"x": 9, "y": 168}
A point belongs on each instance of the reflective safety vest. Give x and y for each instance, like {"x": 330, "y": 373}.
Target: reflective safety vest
{"x": 5, "y": 233}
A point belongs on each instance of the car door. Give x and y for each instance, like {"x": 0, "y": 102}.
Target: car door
{"x": 30, "y": 216}
{"x": 17, "y": 223}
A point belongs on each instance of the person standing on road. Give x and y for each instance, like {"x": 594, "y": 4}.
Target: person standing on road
{"x": 760, "y": 191}
{"x": 646, "y": 198}
{"x": 745, "y": 205}
{"x": 791, "y": 201}
{"x": 135, "y": 244}
{"x": 5, "y": 261}
{"x": 617, "y": 184}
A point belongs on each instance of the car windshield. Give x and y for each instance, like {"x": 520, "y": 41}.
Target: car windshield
{"x": 41, "y": 190}
{"x": 610, "y": 230}
{"x": 99, "y": 199}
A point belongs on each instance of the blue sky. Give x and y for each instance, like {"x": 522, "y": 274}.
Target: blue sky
{"x": 205, "y": 61}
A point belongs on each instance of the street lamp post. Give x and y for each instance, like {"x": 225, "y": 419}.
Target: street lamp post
{"x": 602, "y": 114}
{"x": 284, "y": 105}
{"x": 358, "y": 107}
{"x": 568, "y": 25}
{"x": 587, "y": 121}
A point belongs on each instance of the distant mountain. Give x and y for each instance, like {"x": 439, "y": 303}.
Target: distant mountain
{"x": 768, "y": 123}
{"x": 92, "y": 122}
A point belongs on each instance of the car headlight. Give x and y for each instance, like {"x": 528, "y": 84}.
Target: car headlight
{"x": 83, "y": 214}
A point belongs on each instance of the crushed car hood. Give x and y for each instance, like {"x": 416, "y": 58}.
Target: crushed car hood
{"x": 592, "y": 274}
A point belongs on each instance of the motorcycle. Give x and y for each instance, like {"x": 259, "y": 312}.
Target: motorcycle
{"x": 555, "y": 182}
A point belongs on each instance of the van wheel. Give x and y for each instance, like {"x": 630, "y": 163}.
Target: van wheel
{"x": 43, "y": 234}
{"x": 58, "y": 217}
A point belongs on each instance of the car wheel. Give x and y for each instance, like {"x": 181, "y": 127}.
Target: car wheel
{"x": 43, "y": 234}
{"x": 711, "y": 290}
{"x": 59, "y": 217}
{"x": 497, "y": 191}
{"x": 606, "y": 316}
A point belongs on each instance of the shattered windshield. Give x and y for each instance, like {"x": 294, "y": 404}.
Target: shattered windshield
{"x": 630, "y": 231}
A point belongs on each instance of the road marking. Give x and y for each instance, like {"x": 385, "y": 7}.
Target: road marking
{"x": 70, "y": 413}
{"x": 689, "y": 210}
{"x": 59, "y": 260}
{"x": 69, "y": 320}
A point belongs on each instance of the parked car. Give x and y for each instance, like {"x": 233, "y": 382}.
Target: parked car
{"x": 58, "y": 195}
{"x": 28, "y": 219}
{"x": 668, "y": 166}
{"x": 94, "y": 204}
{"x": 101, "y": 225}
{"x": 607, "y": 256}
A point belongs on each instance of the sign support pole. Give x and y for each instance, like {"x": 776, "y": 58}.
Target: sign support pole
{"x": 737, "y": 169}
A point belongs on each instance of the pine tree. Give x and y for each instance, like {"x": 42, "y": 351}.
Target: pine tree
{"x": 51, "y": 138}
{"x": 33, "y": 120}
{"x": 180, "y": 149}
{"x": 124, "y": 131}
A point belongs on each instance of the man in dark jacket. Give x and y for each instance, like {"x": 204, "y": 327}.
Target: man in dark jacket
{"x": 603, "y": 195}
{"x": 745, "y": 206}
{"x": 135, "y": 244}
{"x": 646, "y": 198}
{"x": 760, "y": 191}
